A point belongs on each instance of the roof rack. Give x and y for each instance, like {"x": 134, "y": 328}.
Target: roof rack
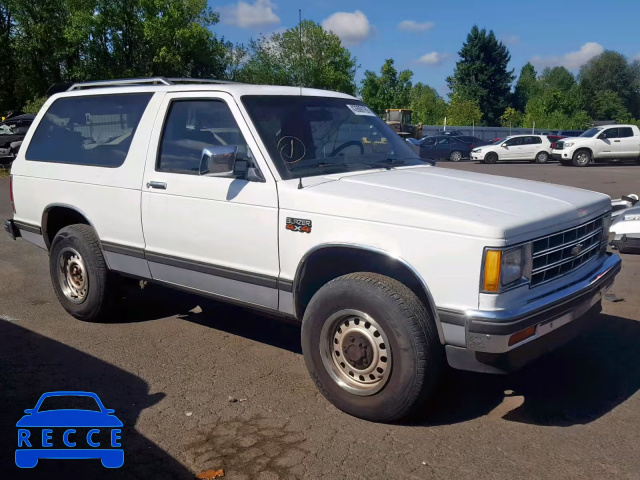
{"x": 123, "y": 82}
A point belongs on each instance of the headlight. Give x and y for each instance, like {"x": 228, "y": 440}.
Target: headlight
{"x": 475, "y": 150}
{"x": 569, "y": 144}
{"x": 504, "y": 268}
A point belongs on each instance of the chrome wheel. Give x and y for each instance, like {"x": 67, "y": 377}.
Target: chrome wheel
{"x": 72, "y": 275}
{"x": 455, "y": 156}
{"x": 582, "y": 158}
{"x": 356, "y": 352}
{"x": 542, "y": 157}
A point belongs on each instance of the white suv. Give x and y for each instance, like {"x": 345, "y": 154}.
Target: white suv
{"x": 533, "y": 148}
{"x": 304, "y": 203}
{"x": 600, "y": 144}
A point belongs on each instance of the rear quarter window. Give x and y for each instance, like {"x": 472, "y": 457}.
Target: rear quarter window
{"x": 88, "y": 130}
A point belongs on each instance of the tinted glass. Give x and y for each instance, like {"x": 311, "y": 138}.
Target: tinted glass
{"x": 92, "y": 130}
{"x": 428, "y": 141}
{"x": 610, "y": 133}
{"x": 193, "y": 125}
{"x": 514, "y": 141}
{"x": 308, "y": 136}
{"x": 592, "y": 132}
{"x": 625, "y": 132}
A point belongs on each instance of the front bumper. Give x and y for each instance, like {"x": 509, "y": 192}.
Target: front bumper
{"x": 11, "y": 229}
{"x": 488, "y": 333}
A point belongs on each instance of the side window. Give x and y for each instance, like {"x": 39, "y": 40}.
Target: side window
{"x": 444, "y": 141}
{"x": 512, "y": 142}
{"x": 190, "y": 127}
{"x": 625, "y": 132}
{"x": 428, "y": 141}
{"x": 88, "y": 130}
{"x": 537, "y": 140}
{"x": 610, "y": 133}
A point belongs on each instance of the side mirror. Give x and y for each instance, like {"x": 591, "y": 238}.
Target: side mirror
{"x": 109, "y": 411}
{"x": 218, "y": 160}
{"x": 29, "y": 411}
{"x": 504, "y": 145}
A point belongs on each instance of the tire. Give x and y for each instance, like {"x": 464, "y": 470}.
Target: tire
{"x": 491, "y": 157}
{"x": 582, "y": 158}
{"x": 84, "y": 285}
{"x": 542, "y": 157}
{"x": 455, "y": 156}
{"x": 407, "y": 365}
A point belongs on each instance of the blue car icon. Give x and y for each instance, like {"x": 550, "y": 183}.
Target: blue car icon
{"x": 89, "y": 432}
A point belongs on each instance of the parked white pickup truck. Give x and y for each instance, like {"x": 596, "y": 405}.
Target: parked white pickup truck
{"x": 271, "y": 198}
{"x": 600, "y": 144}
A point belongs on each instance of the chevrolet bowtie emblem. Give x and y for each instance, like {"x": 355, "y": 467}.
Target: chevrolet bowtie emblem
{"x": 576, "y": 250}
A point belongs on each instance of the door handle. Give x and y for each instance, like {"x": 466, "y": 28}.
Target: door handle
{"x": 159, "y": 185}
{"x": 617, "y": 141}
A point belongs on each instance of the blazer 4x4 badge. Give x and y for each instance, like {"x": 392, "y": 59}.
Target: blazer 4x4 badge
{"x": 298, "y": 225}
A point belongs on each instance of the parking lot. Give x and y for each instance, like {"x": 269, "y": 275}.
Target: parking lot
{"x": 201, "y": 385}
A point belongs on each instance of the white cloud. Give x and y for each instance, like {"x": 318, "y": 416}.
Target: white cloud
{"x": 352, "y": 28}
{"x": 433, "y": 58}
{"x": 571, "y": 60}
{"x": 249, "y": 15}
{"x": 413, "y": 26}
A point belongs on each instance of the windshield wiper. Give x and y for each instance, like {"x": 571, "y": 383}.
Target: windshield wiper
{"x": 319, "y": 165}
{"x": 390, "y": 162}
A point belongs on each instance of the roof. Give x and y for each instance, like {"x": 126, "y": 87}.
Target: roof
{"x": 110, "y": 87}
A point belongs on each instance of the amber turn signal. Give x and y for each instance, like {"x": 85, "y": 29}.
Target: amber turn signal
{"x": 492, "y": 261}
{"x": 522, "y": 335}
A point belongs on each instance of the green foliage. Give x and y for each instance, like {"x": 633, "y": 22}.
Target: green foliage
{"x": 481, "y": 74}
{"x": 511, "y": 118}
{"x": 428, "y": 107}
{"x": 323, "y": 62}
{"x": 389, "y": 90}
{"x": 463, "y": 112}
{"x": 526, "y": 86}
{"x": 610, "y": 73}
{"x": 34, "y": 106}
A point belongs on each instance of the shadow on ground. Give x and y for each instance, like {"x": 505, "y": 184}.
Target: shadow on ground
{"x": 31, "y": 365}
{"x": 576, "y": 384}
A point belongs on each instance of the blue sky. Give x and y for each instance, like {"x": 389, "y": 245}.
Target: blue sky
{"x": 426, "y": 36}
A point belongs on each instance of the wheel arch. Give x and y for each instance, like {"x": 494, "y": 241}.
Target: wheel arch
{"x": 56, "y": 216}
{"x": 315, "y": 270}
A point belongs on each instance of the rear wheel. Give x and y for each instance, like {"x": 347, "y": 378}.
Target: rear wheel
{"x": 581, "y": 158}
{"x": 371, "y": 347}
{"x": 84, "y": 286}
{"x": 542, "y": 157}
{"x": 491, "y": 157}
{"x": 455, "y": 156}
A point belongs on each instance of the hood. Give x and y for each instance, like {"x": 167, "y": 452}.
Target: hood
{"x": 447, "y": 200}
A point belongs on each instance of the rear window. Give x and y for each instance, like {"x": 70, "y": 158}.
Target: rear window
{"x": 92, "y": 130}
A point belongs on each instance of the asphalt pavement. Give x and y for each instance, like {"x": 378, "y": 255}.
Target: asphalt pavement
{"x": 171, "y": 363}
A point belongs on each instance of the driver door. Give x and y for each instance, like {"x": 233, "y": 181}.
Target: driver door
{"x": 511, "y": 149}
{"x": 608, "y": 144}
{"x": 209, "y": 234}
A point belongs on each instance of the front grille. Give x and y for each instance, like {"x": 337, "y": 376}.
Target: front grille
{"x": 559, "y": 145}
{"x": 563, "y": 252}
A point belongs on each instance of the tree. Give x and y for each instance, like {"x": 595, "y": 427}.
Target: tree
{"x": 608, "y": 105}
{"x": 320, "y": 61}
{"x": 389, "y": 90}
{"x": 525, "y": 88}
{"x": 428, "y": 107}
{"x": 463, "y": 112}
{"x": 481, "y": 75}
{"x": 511, "y": 118}
{"x": 7, "y": 60}
{"x": 611, "y": 72}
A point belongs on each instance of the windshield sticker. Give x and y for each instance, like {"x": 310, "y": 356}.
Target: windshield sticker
{"x": 291, "y": 149}
{"x": 361, "y": 110}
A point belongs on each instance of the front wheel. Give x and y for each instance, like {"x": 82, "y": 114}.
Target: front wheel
{"x": 542, "y": 157}
{"x": 84, "y": 286}
{"x": 455, "y": 156}
{"x": 581, "y": 158}
{"x": 371, "y": 347}
{"x": 491, "y": 157}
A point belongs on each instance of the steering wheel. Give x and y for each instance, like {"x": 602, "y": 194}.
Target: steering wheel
{"x": 350, "y": 143}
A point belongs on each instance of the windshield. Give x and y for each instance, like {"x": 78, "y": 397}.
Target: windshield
{"x": 69, "y": 402}
{"x": 498, "y": 140}
{"x": 308, "y": 136}
{"x": 592, "y": 132}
